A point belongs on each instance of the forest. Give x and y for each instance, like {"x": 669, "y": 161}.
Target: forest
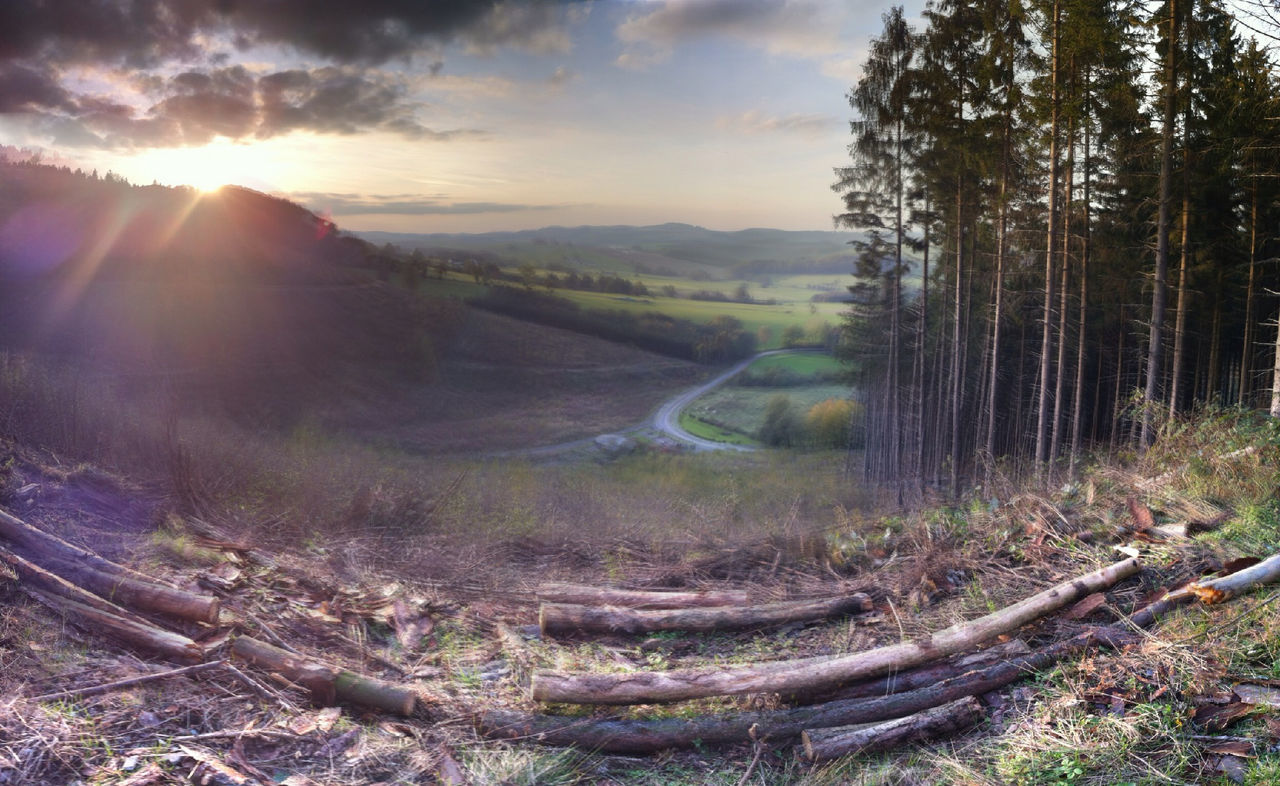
{"x": 1089, "y": 189}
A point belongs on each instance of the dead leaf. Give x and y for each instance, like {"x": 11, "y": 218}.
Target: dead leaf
{"x": 1142, "y": 518}
{"x": 1085, "y": 607}
{"x": 215, "y": 764}
{"x": 1273, "y": 727}
{"x": 1232, "y": 747}
{"x": 1215, "y": 717}
{"x": 1231, "y": 767}
{"x": 327, "y": 717}
{"x": 1257, "y": 694}
{"x": 450, "y": 771}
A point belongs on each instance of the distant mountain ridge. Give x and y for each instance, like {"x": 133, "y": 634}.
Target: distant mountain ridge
{"x": 677, "y": 246}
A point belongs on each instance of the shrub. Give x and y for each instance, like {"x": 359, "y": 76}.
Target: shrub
{"x": 827, "y": 422}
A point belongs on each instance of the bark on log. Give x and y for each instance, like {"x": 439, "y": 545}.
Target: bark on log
{"x": 820, "y": 673}
{"x": 32, "y": 575}
{"x": 326, "y": 683}
{"x": 566, "y": 618}
{"x": 648, "y": 736}
{"x": 921, "y": 677}
{"x": 1227, "y": 587}
{"x": 172, "y": 645}
{"x": 638, "y": 599}
{"x": 104, "y": 577}
{"x": 947, "y": 719}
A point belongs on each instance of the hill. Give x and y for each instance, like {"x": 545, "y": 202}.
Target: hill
{"x": 664, "y": 249}
{"x": 239, "y": 306}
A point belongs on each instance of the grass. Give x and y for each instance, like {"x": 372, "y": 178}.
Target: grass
{"x": 705, "y": 430}
{"x": 742, "y": 409}
{"x": 805, "y": 364}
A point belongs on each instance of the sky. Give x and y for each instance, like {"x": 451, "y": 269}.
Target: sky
{"x": 453, "y": 115}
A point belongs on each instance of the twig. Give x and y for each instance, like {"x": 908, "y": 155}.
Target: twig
{"x": 269, "y": 633}
{"x": 755, "y": 758}
{"x": 229, "y": 734}
{"x": 263, "y": 692}
{"x": 106, "y": 687}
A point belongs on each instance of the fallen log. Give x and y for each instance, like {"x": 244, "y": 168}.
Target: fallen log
{"x": 647, "y": 736}
{"x": 326, "y": 684}
{"x": 1226, "y": 587}
{"x": 32, "y": 575}
{"x": 638, "y": 599}
{"x": 815, "y": 674}
{"x": 827, "y": 744}
{"x": 568, "y": 618}
{"x": 106, "y": 578}
{"x": 921, "y": 677}
{"x": 172, "y": 645}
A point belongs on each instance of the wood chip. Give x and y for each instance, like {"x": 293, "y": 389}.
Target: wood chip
{"x": 1218, "y": 717}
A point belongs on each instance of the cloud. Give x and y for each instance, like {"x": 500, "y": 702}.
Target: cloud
{"x": 561, "y": 77}
{"x": 404, "y": 205}
{"x": 179, "y": 89}
{"x": 193, "y": 107}
{"x": 144, "y": 33}
{"x": 755, "y": 122}
{"x": 804, "y": 28}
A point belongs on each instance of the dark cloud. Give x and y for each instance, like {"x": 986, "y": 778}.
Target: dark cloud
{"x": 41, "y": 39}
{"x": 142, "y": 33}
{"x": 24, "y": 89}
{"x": 193, "y": 107}
{"x": 404, "y": 205}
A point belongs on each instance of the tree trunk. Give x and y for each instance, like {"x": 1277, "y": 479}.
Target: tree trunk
{"x": 647, "y": 736}
{"x": 1246, "y": 357}
{"x": 149, "y": 637}
{"x": 922, "y": 677}
{"x": 566, "y": 618}
{"x": 1180, "y": 308}
{"x": 1060, "y": 366}
{"x": 1077, "y": 405}
{"x": 1158, "y": 295}
{"x": 106, "y": 578}
{"x": 638, "y": 599}
{"x": 1227, "y": 587}
{"x": 944, "y": 720}
{"x": 325, "y": 683}
{"x": 816, "y": 673}
{"x": 1046, "y": 337}
{"x": 31, "y": 574}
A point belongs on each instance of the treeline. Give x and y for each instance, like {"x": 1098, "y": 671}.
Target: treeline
{"x": 1091, "y": 187}
{"x": 721, "y": 340}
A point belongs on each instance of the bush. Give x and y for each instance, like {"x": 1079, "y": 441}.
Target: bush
{"x": 827, "y": 422}
{"x": 781, "y": 427}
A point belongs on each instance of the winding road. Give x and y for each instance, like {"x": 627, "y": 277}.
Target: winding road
{"x": 666, "y": 420}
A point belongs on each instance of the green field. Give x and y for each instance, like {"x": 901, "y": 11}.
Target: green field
{"x": 768, "y": 322}
{"x": 804, "y": 364}
{"x": 742, "y": 409}
{"x": 701, "y": 428}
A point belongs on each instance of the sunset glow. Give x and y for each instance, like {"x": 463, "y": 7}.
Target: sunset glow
{"x": 453, "y": 116}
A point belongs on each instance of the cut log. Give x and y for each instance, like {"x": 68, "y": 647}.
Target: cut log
{"x": 1226, "y": 587}
{"x": 172, "y": 645}
{"x": 567, "y": 618}
{"x": 923, "y": 676}
{"x": 325, "y": 682}
{"x": 32, "y": 575}
{"x": 638, "y": 599}
{"x": 827, "y": 744}
{"x": 815, "y": 674}
{"x": 144, "y": 595}
{"x": 648, "y": 736}
{"x": 106, "y": 578}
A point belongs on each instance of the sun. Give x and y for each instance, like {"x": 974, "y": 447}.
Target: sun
{"x": 206, "y": 168}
